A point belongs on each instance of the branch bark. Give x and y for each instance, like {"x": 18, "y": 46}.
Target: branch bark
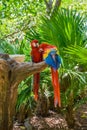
{"x": 11, "y": 74}
{"x": 23, "y": 70}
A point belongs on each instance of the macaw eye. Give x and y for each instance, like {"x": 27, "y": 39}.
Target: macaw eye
{"x": 34, "y": 45}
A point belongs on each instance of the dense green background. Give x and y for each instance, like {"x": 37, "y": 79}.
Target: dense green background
{"x": 24, "y": 20}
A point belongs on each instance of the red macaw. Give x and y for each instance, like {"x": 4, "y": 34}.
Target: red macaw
{"x": 36, "y": 55}
{"x": 54, "y": 61}
{"x": 47, "y": 52}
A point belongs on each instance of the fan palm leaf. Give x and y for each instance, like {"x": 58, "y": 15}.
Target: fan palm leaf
{"x": 63, "y": 28}
{"x": 80, "y": 54}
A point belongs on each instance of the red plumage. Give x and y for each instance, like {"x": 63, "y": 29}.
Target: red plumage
{"x": 35, "y": 52}
{"x": 55, "y": 78}
{"x": 36, "y": 55}
{"x": 56, "y": 87}
{"x": 45, "y": 46}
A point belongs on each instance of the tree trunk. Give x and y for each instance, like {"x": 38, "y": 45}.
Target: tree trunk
{"x": 70, "y": 117}
{"x": 11, "y": 74}
{"x": 51, "y": 6}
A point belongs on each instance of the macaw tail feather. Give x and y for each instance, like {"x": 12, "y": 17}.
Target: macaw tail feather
{"x": 56, "y": 86}
{"x": 36, "y": 81}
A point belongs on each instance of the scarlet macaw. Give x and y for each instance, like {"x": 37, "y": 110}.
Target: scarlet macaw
{"x": 48, "y": 53}
{"x": 36, "y": 55}
{"x": 53, "y": 59}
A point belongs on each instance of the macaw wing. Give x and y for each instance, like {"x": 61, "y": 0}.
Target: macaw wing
{"x": 49, "y": 60}
{"x": 46, "y": 45}
{"x": 48, "y": 50}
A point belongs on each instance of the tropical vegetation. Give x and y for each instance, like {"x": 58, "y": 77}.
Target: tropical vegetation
{"x": 64, "y": 26}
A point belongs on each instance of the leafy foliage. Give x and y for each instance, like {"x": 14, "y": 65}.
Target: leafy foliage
{"x": 17, "y": 16}
{"x": 20, "y": 22}
{"x": 74, "y": 94}
{"x": 25, "y": 94}
{"x": 63, "y": 28}
{"x": 79, "y": 53}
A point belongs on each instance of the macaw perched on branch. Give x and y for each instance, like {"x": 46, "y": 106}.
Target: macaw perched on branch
{"x": 53, "y": 59}
{"x": 49, "y": 54}
{"x": 36, "y": 55}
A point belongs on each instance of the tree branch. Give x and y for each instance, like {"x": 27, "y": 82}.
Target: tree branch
{"x": 23, "y": 28}
{"x": 23, "y": 70}
{"x": 19, "y": 71}
{"x": 48, "y": 5}
{"x": 57, "y": 5}
{"x": 58, "y": 2}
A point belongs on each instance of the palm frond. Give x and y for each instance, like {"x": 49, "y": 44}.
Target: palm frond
{"x": 64, "y": 28}
{"x": 79, "y": 53}
{"x": 76, "y": 88}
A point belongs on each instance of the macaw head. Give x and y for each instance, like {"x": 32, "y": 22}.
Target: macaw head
{"x": 34, "y": 44}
